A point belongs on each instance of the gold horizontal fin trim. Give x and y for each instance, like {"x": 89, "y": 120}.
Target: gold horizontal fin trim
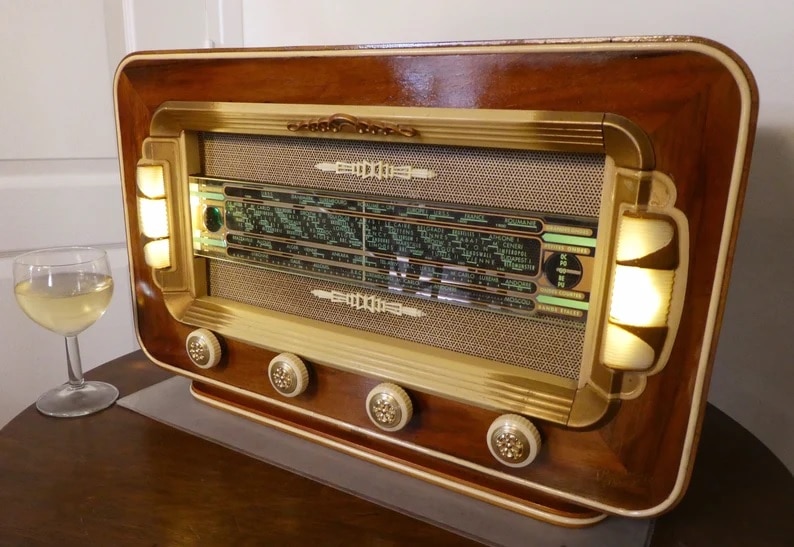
{"x": 488, "y": 384}
{"x": 523, "y": 129}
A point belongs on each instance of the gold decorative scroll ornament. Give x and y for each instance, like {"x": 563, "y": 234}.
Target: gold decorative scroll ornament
{"x": 370, "y": 303}
{"x": 379, "y": 170}
{"x": 337, "y": 122}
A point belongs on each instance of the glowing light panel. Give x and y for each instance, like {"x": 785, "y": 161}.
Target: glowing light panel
{"x": 151, "y": 180}
{"x": 157, "y": 254}
{"x": 639, "y": 237}
{"x": 625, "y": 351}
{"x": 641, "y": 297}
{"x": 153, "y": 215}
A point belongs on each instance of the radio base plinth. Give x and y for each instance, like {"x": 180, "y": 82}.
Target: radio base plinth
{"x": 533, "y": 504}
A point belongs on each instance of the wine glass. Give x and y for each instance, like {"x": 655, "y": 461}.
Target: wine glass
{"x": 66, "y": 290}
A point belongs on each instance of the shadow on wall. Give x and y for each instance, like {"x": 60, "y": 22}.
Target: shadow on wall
{"x": 753, "y": 376}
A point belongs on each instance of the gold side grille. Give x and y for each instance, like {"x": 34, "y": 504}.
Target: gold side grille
{"x": 550, "y": 346}
{"x": 552, "y": 182}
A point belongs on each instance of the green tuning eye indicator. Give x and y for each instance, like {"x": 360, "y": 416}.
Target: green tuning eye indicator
{"x": 213, "y": 219}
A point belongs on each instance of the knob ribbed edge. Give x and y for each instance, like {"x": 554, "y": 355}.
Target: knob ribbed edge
{"x": 203, "y": 348}
{"x": 296, "y": 367}
{"x": 382, "y": 400}
{"x": 516, "y": 428}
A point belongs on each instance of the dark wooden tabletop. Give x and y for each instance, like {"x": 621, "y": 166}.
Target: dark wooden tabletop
{"x": 118, "y": 478}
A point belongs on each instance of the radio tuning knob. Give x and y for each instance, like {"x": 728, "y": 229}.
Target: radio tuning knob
{"x": 288, "y": 374}
{"x": 513, "y": 440}
{"x": 389, "y": 407}
{"x": 203, "y": 348}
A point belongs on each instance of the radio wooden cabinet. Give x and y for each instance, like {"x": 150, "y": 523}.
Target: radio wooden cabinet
{"x": 498, "y": 267}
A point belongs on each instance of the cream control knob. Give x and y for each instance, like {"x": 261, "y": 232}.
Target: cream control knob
{"x": 288, "y": 374}
{"x": 513, "y": 440}
{"x": 389, "y": 407}
{"x": 203, "y": 348}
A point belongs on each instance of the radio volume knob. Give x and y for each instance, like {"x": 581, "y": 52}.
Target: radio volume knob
{"x": 288, "y": 374}
{"x": 203, "y": 348}
{"x": 513, "y": 440}
{"x": 389, "y": 407}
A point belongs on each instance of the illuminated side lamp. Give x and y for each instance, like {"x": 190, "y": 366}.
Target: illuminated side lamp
{"x": 153, "y": 214}
{"x": 641, "y": 297}
{"x": 157, "y": 254}
{"x": 625, "y": 350}
{"x": 641, "y": 236}
{"x": 642, "y": 288}
{"x": 151, "y": 180}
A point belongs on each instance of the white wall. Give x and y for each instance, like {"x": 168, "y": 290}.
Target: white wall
{"x": 57, "y": 145}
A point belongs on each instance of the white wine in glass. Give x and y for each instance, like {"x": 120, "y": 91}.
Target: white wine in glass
{"x": 65, "y": 290}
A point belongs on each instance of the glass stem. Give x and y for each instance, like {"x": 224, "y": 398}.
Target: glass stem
{"x": 73, "y": 363}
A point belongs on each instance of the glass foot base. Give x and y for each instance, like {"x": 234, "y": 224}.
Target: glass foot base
{"x": 67, "y": 401}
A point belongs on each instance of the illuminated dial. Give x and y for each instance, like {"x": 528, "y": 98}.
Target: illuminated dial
{"x": 563, "y": 270}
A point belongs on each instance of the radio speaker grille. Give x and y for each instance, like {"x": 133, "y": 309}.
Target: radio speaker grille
{"x": 551, "y": 182}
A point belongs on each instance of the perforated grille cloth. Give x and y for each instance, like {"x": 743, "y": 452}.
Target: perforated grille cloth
{"x": 551, "y": 182}
{"x": 552, "y": 346}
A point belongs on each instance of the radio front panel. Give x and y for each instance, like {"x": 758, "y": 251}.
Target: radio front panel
{"x": 489, "y": 298}
{"x": 422, "y": 258}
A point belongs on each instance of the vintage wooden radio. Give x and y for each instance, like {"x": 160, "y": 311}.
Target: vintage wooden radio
{"x": 499, "y": 267}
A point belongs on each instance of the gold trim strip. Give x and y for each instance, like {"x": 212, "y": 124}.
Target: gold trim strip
{"x": 537, "y": 130}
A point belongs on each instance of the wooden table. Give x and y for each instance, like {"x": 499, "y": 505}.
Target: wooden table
{"x": 118, "y": 478}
